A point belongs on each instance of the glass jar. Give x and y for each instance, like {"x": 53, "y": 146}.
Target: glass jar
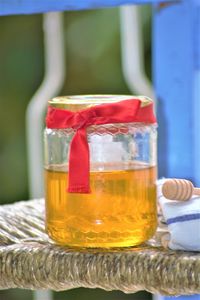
{"x": 120, "y": 208}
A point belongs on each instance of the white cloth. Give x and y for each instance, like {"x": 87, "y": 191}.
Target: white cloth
{"x": 183, "y": 220}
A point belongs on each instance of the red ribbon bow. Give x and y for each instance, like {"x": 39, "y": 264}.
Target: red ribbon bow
{"x": 126, "y": 111}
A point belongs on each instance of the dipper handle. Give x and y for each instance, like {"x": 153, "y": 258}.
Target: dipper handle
{"x": 179, "y": 189}
{"x": 196, "y": 191}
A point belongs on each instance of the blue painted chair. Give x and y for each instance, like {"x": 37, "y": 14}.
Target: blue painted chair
{"x": 37, "y": 6}
{"x": 176, "y": 72}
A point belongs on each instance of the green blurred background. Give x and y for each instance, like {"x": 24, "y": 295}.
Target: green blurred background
{"x": 93, "y": 64}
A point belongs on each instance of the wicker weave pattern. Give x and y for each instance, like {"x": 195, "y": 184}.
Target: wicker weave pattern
{"x": 28, "y": 259}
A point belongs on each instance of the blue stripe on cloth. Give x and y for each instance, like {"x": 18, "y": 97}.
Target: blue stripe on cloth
{"x": 183, "y": 218}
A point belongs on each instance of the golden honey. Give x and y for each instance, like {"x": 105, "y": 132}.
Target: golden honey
{"x": 120, "y": 211}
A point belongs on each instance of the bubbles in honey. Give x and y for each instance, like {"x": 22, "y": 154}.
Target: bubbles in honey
{"x": 120, "y": 211}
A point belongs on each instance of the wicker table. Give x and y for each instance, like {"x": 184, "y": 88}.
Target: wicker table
{"x": 29, "y": 259}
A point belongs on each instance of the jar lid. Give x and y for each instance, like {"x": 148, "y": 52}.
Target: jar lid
{"x": 75, "y": 103}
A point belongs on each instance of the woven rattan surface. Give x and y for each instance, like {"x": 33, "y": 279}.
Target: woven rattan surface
{"x": 28, "y": 259}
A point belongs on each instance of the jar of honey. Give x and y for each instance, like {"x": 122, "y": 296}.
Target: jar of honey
{"x": 100, "y": 170}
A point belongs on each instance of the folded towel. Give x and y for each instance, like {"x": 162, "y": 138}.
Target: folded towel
{"x": 183, "y": 220}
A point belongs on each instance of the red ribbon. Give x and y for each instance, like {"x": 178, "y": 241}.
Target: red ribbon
{"x": 126, "y": 111}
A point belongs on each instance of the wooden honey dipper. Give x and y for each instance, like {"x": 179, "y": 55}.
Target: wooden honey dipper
{"x": 179, "y": 189}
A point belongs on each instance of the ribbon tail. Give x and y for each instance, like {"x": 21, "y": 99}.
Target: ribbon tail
{"x": 79, "y": 173}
